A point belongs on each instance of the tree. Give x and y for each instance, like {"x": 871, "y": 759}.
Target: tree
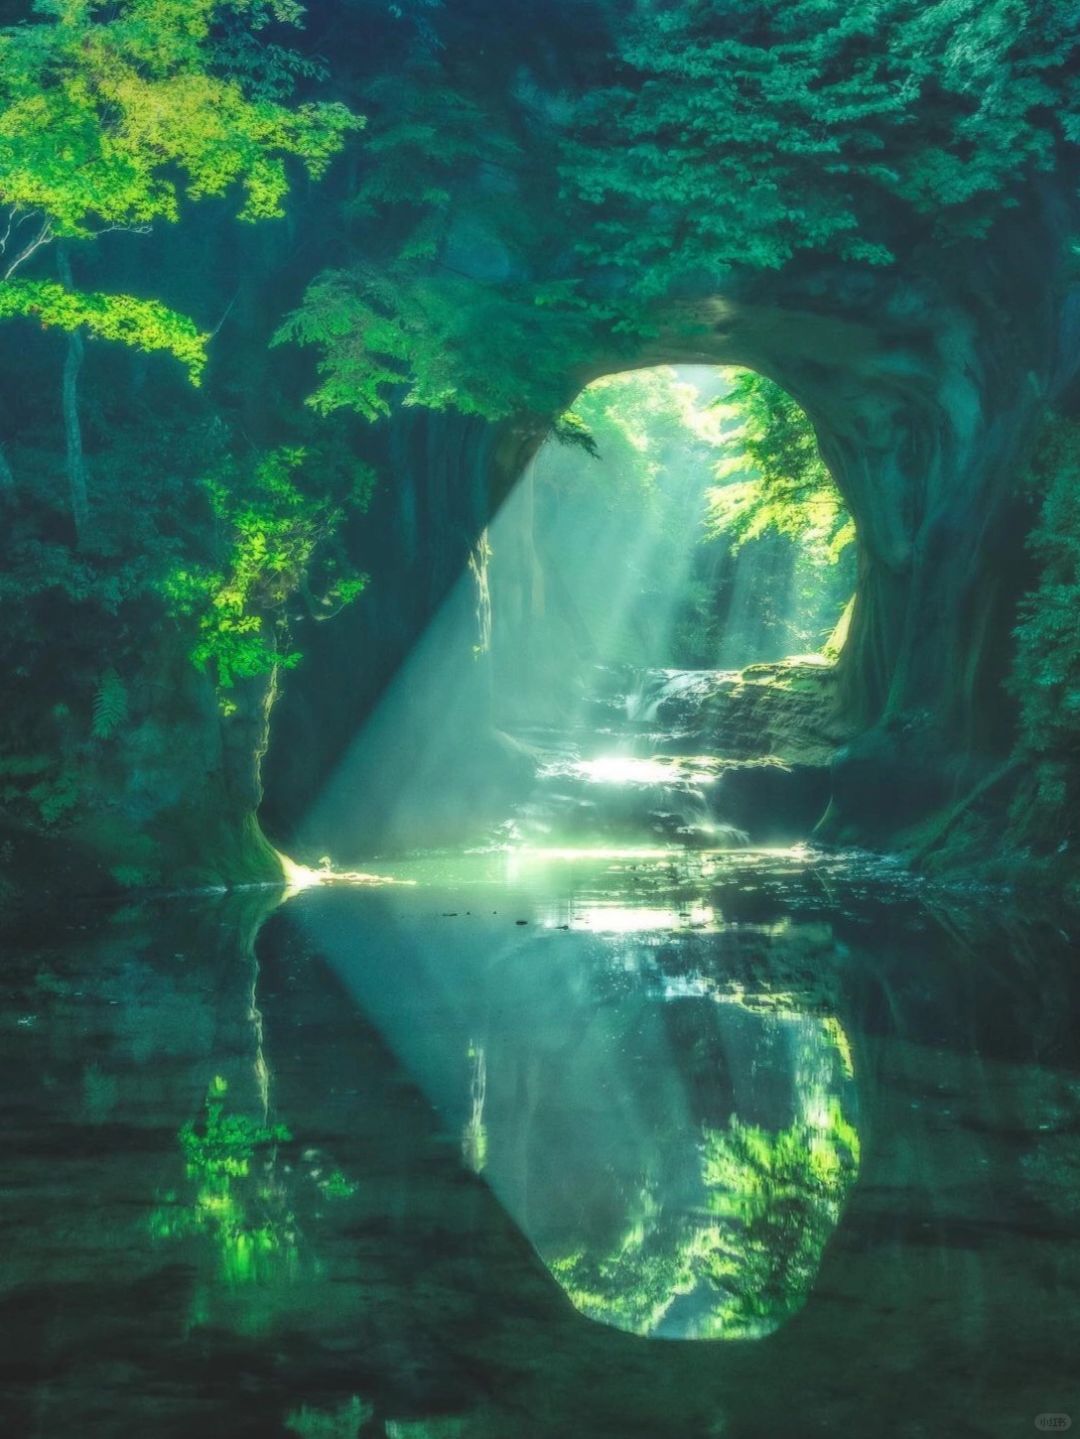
{"x": 442, "y": 312}
{"x": 743, "y": 132}
{"x": 785, "y": 485}
{"x": 111, "y": 116}
{"x": 523, "y": 233}
{"x": 277, "y": 539}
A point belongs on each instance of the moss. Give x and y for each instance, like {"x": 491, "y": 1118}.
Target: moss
{"x": 219, "y": 851}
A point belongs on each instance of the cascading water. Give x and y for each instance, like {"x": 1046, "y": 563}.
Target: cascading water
{"x": 631, "y": 767}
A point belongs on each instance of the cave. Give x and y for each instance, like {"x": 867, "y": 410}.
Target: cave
{"x": 921, "y": 416}
{"x": 540, "y": 754}
{"x": 606, "y": 663}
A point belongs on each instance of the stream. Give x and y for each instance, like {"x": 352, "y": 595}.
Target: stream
{"x": 649, "y": 1140}
{"x": 668, "y": 756}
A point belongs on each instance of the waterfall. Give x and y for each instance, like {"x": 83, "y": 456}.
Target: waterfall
{"x": 631, "y": 768}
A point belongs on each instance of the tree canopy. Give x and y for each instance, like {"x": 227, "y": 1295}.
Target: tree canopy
{"x": 516, "y": 231}
{"x": 741, "y": 134}
{"x": 773, "y": 477}
{"x": 111, "y": 116}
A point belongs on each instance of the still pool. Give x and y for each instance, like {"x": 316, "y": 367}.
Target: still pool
{"x": 610, "y": 1143}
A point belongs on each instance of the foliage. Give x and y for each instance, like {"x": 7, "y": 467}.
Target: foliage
{"x": 437, "y": 341}
{"x": 224, "y": 1144}
{"x": 342, "y": 1423}
{"x": 272, "y": 530}
{"x": 751, "y": 1250}
{"x": 740, "y": 134}
{"x": 720, "y": 135}
{"x": 614, "y": 544}
{"x": 1046, "y": 674}
{"x": 779, "y": 1196}
{"x": 111, "y": 115}
{"x": 40, "y": 786}
{"x": 788, "y": 488}
{"x": 446, "y": 310}
{"x": 570, "y": 429}
{"x": 637, "y": 422}
{"x": 619, "y": 502}
{"x": 145, "y": 325}
{"x": 634, "y": 1286}
{"x": 110, "y": 705}
{"x": 241, "y": 1212}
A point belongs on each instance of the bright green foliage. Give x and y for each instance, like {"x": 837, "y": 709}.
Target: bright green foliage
{"x": 614, "y": 522}
{"x": 635, "y": 1286}
{"x": 745, "y": 131}
{"x": 144, "y": 325}
{"x": 436, "y": 340}
{"x": 110, "y": 115}
{"x": 273, "y": 528}
{"x": 223, "y": 1144}
{"x": 238, "y": 1209}
{"x": 750, "y": 1252}
{"x": 788, "y": 488}
{"x": 779, "y": 1197}
{"x": 635, "y": 420}
{"x": 615, "y": 519}
{"x": 1047, "y": 668}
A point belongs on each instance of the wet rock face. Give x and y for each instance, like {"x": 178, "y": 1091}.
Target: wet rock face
{"x": 168, "y": 802}
{"x": 701, "y": 758}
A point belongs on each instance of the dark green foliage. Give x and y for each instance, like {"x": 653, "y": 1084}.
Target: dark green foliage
{"x": 110, "y": 706}
{"x": 743, "y": 133}
{"x": 215, "y": 569}
{"x": 439, "y": 341}
{"x": 447, "y": 309}
{"x": 1047, "y": 668}
{"x": 738, "y": 136}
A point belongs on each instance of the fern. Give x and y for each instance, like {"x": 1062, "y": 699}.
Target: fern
{"x": 110, "y": 706}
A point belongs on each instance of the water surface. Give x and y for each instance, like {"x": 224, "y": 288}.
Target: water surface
{"x": 545, "y": 1143}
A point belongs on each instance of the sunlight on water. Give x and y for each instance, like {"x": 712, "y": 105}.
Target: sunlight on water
{"x": 639, "y": 919}
{"x": 300, "y": 877}
{"x": 628, "y": 769}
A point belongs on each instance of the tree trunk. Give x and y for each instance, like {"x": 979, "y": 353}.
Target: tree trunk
{"x": 76, "y": 460}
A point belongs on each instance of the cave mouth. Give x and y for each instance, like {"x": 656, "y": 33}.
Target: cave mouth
{"x": 648, "y": 620}
{"x": 677, "y": 518}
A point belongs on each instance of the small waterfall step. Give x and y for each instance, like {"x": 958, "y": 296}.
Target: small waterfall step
{"x": 704, "y": 758}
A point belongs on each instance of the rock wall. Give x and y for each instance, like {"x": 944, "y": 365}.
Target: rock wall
{"x": 925, "y": 395}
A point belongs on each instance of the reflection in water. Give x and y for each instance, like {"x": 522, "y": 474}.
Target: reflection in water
{"x": 668, "y": 1114}
{"x": 344, "y": 1422}
{"x": 743, "y": 1258}
{"x": 474, "y": 1138}
{"x": 676, "y": 1144}
{"x": 235, "y": 1196}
